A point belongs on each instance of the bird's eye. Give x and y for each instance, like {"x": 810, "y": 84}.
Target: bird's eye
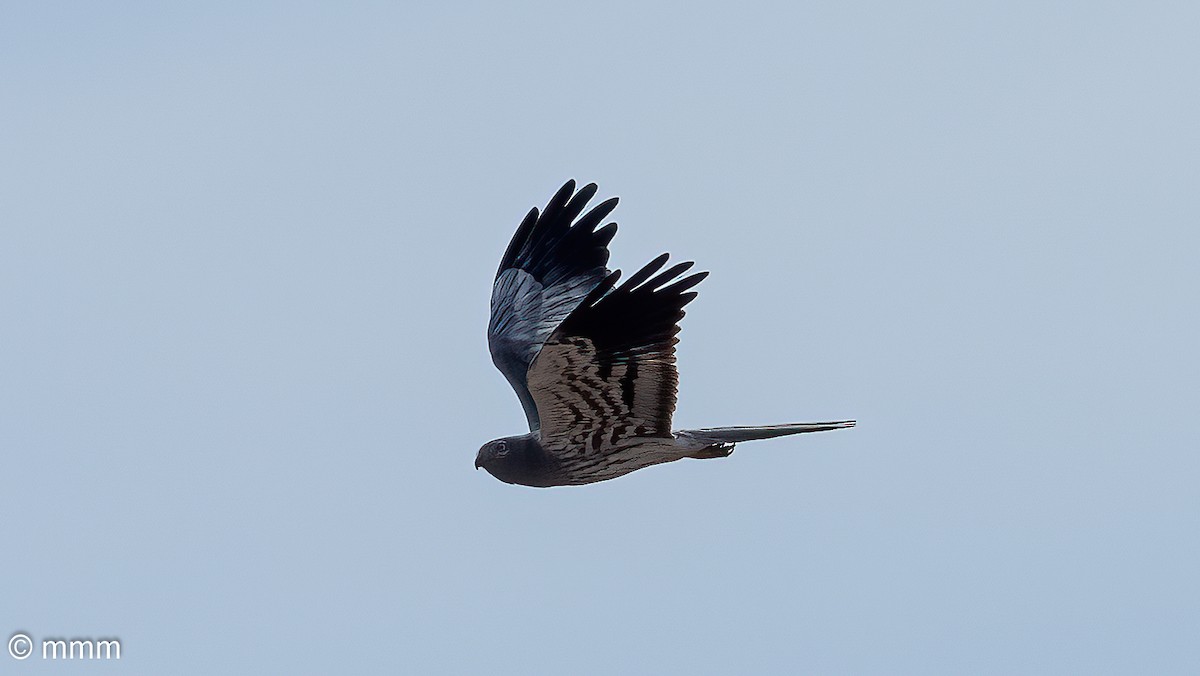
{"x": 502, "y": 447}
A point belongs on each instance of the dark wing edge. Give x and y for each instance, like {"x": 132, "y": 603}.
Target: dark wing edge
{"x": 609, "y": 369}
{"x": 552, "y": 263}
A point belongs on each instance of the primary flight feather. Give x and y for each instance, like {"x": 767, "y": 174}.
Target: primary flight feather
{"x": 592, "y": 359}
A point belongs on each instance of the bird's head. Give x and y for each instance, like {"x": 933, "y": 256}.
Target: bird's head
{"x": 493, "y": 453}
{"x": 509, "y": 459}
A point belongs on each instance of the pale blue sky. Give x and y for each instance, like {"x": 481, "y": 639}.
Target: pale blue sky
{"x": 245, "y": 258}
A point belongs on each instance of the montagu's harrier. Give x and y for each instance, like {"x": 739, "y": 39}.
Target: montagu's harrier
{"x": 593, "y": 362}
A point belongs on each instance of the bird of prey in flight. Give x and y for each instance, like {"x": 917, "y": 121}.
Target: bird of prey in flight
{"x": 593, "y": 362}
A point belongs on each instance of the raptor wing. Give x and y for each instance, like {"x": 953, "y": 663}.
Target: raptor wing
{"x": 607, "y": 373}
{"x": 555, "y": 259}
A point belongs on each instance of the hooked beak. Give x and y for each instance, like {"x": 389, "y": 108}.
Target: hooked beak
{"x": 478, "y": 462}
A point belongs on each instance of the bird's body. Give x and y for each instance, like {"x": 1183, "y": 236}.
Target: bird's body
{"x": 593, "y": 363}
{"x": 532, "y": 465}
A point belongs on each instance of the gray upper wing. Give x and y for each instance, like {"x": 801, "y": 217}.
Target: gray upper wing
{"x": 553, "y": 262}
{"x": 608, "y": 371}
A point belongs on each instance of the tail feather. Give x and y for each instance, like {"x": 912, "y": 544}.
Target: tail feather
{"x": 731, "y": 435}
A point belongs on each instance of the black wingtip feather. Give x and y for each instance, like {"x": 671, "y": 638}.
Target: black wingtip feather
{"x": 669, "y": 274}
{"x": 604, "y": 235}
{"x": 579, "y": 201}
{"x": 520, "y": 237}
{"x": 592, "y": 218}
{"x": 560, "y": 198}
{"x": 548, "y": 246}
{"x": 636, "y": 316}
{"x": 647, "y": 270}
{"x": 601, "y": 289}
{"x": 685, "y": 283}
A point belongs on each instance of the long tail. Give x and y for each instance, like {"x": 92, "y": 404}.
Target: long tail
{"x": 731, "y": 435}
